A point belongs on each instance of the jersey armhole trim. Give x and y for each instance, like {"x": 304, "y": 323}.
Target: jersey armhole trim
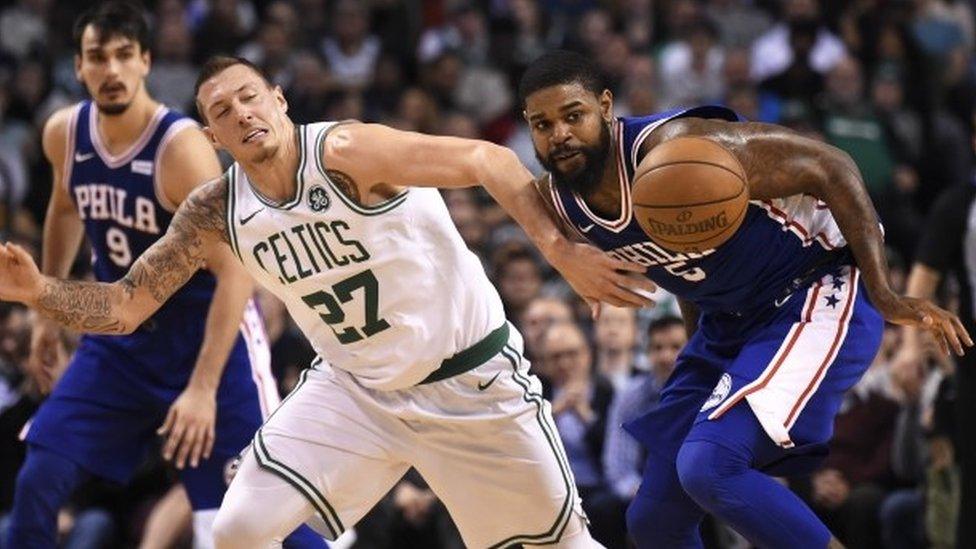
{"x": 171, "y": 132}
{"x": 376, "y": 209}
{"x": 231, "y": 208}
{"x": 69, "y": 148}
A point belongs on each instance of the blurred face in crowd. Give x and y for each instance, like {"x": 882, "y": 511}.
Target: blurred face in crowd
{"x": 570, "y": 128}
{"x": 663, "y": 348}
{"x": 113, "y": 70}
{"x": 245, "y": 115}
{"x": 615, "y": 328}
{"x": 540, "y": 314}
{"x": 519, "y": 282}
{"x": 566, "y": 354}
{"x": 844, "y": 82}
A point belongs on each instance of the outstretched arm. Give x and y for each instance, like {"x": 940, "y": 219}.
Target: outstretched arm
{"x": 372, "y": 156}
{"x": 120, "y": 307}
{"x": 780, "y": 163}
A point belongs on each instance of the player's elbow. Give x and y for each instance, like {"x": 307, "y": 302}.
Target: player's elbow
{"x": 488, "y": 159}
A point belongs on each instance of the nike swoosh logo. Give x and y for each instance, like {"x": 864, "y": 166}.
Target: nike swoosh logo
{"x": 244, "y": 220}
{"x": 483, "y": 386}
{"x": 82, "y": 157}
{"x": 779, "y": 302}
{"x": 587, "y": 228}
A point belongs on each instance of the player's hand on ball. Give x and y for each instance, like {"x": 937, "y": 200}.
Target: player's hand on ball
{"x": 944, "y": 326}
{"x": 20, "y": 280}
{"x": 597, "y": 277}
{"x": 189, "y": 427}
{"x": 44, "y": 359}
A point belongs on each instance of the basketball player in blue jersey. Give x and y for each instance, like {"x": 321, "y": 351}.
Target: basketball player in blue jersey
{"x": 783, "y": 318}
{"x": 195, "y": 371}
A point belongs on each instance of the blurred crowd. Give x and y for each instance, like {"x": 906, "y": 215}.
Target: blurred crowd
{"x": 891, "y": 82}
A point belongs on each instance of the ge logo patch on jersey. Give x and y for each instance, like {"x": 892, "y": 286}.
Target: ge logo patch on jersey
{"x": 719, "y": 393}
{"x": 318, "y": 198}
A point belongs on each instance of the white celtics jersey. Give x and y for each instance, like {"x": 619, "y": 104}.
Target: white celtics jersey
{"x": 385, "y": 292}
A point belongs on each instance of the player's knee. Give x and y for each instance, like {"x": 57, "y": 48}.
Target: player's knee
{"x": 234, "y": 527}
{"x": 45, "y": 476}
{"x": 702, "y": 466}
{"x": 653, "y": 522}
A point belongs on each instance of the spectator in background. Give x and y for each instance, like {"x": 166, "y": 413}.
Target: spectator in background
{"x": 530, "y": 34}
{"x": 309, "y": 84}
{"x": 691, "y": 67}
{"x": 224, "y": 28}
{"x": 615, "y": 339}
{"x": 580, "y": 400}
{"x": 623, "y": 456}
{"x": 542, "y": 313}
{"x": 638, "y": 22}
{"x": 921, "y": 391}
{"x": 612, "y": 59}
{"x": 466, "y": 34}
{"x": 173, "y": 75}
{"x": 271, "y": 50}
{"x": 416, "y": 111}
{"x": 798, "y": 82}
{"x": 772, "y": 52}
{"x": 738, "y": 22}
{"x": 386, "y": 86}
{"x": 947, "y": 246}
{"x": 639, "y": 96}
{"x": 850, "y": 124}
{"x": 518, "y": 276}
{"x": 351, "y": 51}
{"x": 592, "y": 31}
{"x": 466, "y": 215}
{"x": 24, "y": 27}
{"x": 847, "y": 492}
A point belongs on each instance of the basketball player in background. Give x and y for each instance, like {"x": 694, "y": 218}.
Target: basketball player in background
{"x": 194, "y": 370}
{"x": 417, "y": 365}
{"x": 783, "y": 318}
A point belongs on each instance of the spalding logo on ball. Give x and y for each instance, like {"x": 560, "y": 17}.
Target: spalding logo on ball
{"x": 690, "y": 194}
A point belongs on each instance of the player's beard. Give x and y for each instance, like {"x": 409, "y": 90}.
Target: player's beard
{"x": 586, "y": 179}
{"x": 113, "y": 109}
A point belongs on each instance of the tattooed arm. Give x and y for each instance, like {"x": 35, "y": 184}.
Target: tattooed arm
{"x": 194, "y": 235}
{"x": 780, "y": 163}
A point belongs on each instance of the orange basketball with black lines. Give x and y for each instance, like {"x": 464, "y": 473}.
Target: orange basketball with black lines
{"x": 690, "y": 194}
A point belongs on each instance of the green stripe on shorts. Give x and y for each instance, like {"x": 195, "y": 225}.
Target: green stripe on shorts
{"x": 555, "y": 532}
{"x": 300, "y": 483}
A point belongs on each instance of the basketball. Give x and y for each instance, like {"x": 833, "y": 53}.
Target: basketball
{"x": 690, "y": 194}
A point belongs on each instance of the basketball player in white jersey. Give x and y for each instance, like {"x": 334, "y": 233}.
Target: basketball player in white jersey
{"x": 418, "y": 366}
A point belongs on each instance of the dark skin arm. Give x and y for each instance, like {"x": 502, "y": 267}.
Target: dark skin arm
{"x": 781, "y": 163}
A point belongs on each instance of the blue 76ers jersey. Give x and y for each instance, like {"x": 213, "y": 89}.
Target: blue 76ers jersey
{"x": 125, "y": 211}
{"x": 781, "y": 246}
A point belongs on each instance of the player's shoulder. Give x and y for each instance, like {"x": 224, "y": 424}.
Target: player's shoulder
{"x": 695, "y": 121}
{"x": 184, "y": 134}
{"x": 54, "y": 137}
{"x": 205, "y": 208}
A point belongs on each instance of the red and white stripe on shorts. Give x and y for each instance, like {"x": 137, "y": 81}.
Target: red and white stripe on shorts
{"x": 779, "y": 394}
{"x": 259, "y": 355}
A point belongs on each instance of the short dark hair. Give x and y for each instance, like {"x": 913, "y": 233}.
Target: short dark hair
{"x": 114, "y": 19}
{"x": 216, "y": 65}
{"x": 663, "y": 323}
{"x": 560, "y": 67}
